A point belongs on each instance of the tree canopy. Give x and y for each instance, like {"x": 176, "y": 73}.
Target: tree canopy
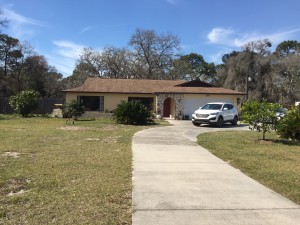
{"x": 275, "y": 76}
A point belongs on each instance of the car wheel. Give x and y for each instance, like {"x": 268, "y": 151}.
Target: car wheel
{"x": 235, "y": 120}
{"x": 220, "y": 122}
{"x": 197, "y": 124}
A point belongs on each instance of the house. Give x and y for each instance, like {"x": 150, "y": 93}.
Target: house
{"x": 167, "y": 98}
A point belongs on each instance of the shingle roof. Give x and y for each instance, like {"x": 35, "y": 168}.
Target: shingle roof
{"x": 101, "y": 85}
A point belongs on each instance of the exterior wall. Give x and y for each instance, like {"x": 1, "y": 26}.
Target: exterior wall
{"x": 111, "y": 100}
{"x": 173, "y": 108}
{"x": 176, "y": 109}
{"x": 194, "y": 101}
{"x": 181, "y": 104}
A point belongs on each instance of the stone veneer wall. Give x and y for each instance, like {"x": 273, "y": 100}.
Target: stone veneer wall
{"x": 179, "y": 103}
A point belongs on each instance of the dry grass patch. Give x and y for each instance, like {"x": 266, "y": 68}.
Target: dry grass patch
{"x": 79, "y": 174}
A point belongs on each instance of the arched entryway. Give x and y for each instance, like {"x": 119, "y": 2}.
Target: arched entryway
{"x": 169, "y": 108}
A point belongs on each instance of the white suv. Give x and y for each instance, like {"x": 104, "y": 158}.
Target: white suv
{"x": 215, "y": 113}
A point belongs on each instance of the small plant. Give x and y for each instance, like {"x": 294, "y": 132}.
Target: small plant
{"x": 24, "y": 102}
{"x": 261, "y": 116}
{"x": 289, "y": 127}
{"x": 73, "y": 109}
{"x": 132, "y": 112}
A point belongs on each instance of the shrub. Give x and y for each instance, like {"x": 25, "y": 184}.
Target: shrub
{"x": 289, "y": 127}
{"x": 261, "y": 116}
{"x": 24, "y": 102}
{"x": 73, "y": 109}
{"x": 133, "y": 112}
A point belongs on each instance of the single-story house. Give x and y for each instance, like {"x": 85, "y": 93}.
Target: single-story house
{"x": 167, "y": 98}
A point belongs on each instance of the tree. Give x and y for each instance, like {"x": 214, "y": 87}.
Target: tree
{"x": 153, "y": 53}
{"x": 192, "y": 67}
{"x": 73, "y": 109}
{"x": 261, "y": 47}
{"x": 24, "y": 102}
{"x": 287, "y": 48}
{"x": 290, "y": 125}
{"x": 261, "y": 116}
{"x": 117, "y": 63}
{"x": 286, "y": 79}
{"x": 9, "y": 54}
{"x": 36, "y": 68}
{"x": 18, "y": 78}
{"x": 53, "y": 83}
{"x": 89, "y": 64}
{"x": 227, "y": 56}
{"x": 253, "y": 62}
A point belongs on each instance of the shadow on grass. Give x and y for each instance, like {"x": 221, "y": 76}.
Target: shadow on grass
{"x": 84, "y": 119}
{"x": 224, "y": 126}
{"x": 279, "y": 141}
{"x": 287, "y": 142}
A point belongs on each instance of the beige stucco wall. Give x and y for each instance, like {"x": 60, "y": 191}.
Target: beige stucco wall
{"x": 188, "y": 102}
{"x": 111, "y": 100}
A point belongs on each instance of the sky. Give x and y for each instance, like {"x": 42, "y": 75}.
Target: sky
{"x": 60, "y": 29}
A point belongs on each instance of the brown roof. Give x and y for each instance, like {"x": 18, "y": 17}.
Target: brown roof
{"x": 101, "y": 85}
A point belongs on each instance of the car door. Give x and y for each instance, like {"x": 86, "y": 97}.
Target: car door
{"x": 230, "y": 112}
{"x": 226, "y": 112}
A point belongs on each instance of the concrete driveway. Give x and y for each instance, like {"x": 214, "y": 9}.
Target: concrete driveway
{"x": 177, "y": 182}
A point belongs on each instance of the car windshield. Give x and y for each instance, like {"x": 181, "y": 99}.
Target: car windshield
{"x": 212, "y": 107}
{"x": 282, "y": 110}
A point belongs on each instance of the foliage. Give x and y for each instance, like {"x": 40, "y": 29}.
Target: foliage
{"x": 132, "y": 112}
{"x": 149, "y": 55}
{"x": 286, "y": 48}
{"x": 193, "y": 66}
{"x": 24, "y": 102}
{"x": 275, "y": 76}
{"x": 73, "y": 109}
{"x": 290, "y": 125}
{"x": 153, "y": 53}
{"x": 261, "y": 116}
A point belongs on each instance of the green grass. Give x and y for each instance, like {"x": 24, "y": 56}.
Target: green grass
{"x": 274, "y": 163}
{"x": 69, "y": 174}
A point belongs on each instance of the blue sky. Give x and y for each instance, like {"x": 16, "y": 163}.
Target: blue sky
{"x": 59, "y": 29}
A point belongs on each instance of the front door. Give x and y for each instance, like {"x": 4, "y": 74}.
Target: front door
{"x": 167, "y": 107}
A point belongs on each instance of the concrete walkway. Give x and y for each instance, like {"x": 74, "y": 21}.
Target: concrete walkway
{"x": 177, "y": 182}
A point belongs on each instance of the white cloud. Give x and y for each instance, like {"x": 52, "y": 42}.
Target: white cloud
{"x": 14, "y": 17}
{"x": 63, "y": 65}
{"x": 275, "y": 38}
{"x": 68, "y": 49}
{"x": 219, "y": 35}
{"x": 231, "y": 38}
{"x": 226, "y": 40}
{"x": 87, "y": 29}
{"x": 64, "y": 56}
{"x": 20, "y": 26}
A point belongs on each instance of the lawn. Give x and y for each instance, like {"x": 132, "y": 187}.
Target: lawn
{"x": 274, "y": 163}
{"x": 54, "y": 173}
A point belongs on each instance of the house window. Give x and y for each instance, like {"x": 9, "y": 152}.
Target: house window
{"x": 92, "y": 103}
{"x": 146, "y": 101}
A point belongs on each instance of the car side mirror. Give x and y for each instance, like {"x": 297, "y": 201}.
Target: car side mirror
{"x": 225, "y": 109}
